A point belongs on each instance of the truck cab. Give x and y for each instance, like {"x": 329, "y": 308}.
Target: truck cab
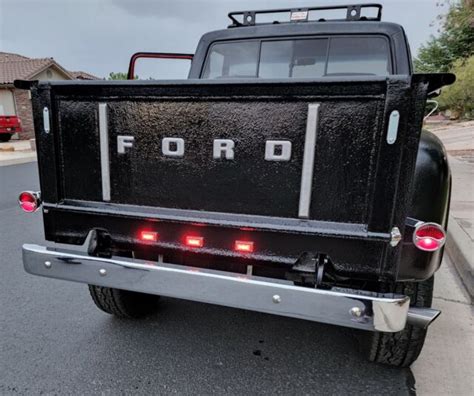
{"x": 9, "y": 124}
{"x": 288, "y": 174}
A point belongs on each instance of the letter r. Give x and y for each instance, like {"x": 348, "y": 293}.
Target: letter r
{"x": 223, "y": 146}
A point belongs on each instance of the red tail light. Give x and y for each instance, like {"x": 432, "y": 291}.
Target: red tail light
{"x": 429, "y": 237}
{"x": 244, "y": 246}
{"x": 29, "y": 201}
{"x": 194, "y": 241}
{"x": 149, "y": 236}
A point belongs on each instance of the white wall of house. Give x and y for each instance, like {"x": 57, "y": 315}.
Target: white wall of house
{"x": 7, "y": 102}
{"x": 50, "y": 74}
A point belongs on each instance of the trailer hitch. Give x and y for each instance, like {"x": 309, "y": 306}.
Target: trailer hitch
{"x": 308, "y": 269}
{"x": 99, "y": 243}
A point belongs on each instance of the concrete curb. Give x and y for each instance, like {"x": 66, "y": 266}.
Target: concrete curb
{"x": 457, "y": 153}
{"x": 461, "y": 251}
{"x": 20, "y": 160}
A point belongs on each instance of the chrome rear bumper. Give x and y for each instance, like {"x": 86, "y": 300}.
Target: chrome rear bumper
{"x": 350, "y": 308}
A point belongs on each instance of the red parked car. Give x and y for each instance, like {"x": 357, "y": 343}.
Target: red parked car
{"x": 8, "y": 126}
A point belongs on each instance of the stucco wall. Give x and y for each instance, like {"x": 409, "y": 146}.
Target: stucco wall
{"x": 52, "y": 75}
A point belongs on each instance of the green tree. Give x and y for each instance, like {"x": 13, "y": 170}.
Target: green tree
{"x": 119, "y": 76}
{"x": 459, "y": 97}
{"x": 456, "y": 40}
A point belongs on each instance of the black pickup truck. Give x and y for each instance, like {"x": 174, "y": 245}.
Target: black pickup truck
{"x": 289, "y": 175}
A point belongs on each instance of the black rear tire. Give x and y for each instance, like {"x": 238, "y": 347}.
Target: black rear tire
{"x": 123, "y": 303}
{"x": 5, "y": 137}
{"x": 403, "y": 348}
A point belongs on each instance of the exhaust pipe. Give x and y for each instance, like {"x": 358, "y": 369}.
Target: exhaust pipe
{"x": 422, "y": 317}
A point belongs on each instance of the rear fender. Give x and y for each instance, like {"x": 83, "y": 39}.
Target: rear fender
{"x": 429, "y": 203}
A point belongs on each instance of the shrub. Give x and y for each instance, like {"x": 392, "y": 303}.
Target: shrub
{"x": 459, "y": 97}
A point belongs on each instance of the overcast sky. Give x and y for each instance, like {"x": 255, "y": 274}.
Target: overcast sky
{"x": 98, "y": 36}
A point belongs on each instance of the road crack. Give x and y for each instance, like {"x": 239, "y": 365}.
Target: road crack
{"x": 451, "y": 300}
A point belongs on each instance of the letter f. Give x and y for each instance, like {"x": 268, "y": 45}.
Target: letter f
{"x": 124, "y": 142}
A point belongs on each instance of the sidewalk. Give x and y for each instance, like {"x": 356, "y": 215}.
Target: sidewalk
{"x": 458, "y": 139}
{"x": 16, "y": 152}
{"x": 445, "y": 365}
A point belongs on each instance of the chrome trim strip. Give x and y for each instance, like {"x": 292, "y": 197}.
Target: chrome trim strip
{"x": 345, "y": 307}
{"x": 392, "y": 131}
{"x": 104, "y": 151}
{"x": 46, "y": 124}
{"x": 308, "y": 160}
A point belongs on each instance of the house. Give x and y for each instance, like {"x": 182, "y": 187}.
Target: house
{"x": 18, "y": 67}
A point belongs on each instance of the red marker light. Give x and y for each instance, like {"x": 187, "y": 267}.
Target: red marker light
{"x": 29, "y": 201}
{"x": 194, "y": 241}
{"x": 244, "y": 246}
{"x": 149, "y": 236}
{"x": 429, "y": 237}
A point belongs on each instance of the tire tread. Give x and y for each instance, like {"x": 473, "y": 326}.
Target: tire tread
{"x": 123, "y": 303}
{"x": 401, "y": 349}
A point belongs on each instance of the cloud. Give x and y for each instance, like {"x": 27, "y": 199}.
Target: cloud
{"x": 100, "y": 36}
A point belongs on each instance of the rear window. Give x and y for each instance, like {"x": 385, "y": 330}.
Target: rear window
{"x": 299, "y": 58}
{"x": 292, "y": 58}
{"x": 233, "y": 59}
{"x": 364, "y": 55}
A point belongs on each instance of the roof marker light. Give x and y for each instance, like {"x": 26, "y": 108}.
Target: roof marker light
{"x": 243, "y": 246}
{"x": 429, "y": 237}
{"x": 299, "y": 16}
{"x": 194, "y": 241}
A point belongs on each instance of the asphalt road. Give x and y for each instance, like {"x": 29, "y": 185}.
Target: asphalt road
{"x": 54, "y": 341}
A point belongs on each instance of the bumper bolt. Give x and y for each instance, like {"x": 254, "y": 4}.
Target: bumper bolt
{"x": 276, "y": 299}
{"x": 47, "y": 264}
{"x": 102, "y": 272}
{"x": 356, "y": 312}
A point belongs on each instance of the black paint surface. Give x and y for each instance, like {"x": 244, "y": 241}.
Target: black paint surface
{"x": 359, "y": 180}
{"x": 347, "y": 144}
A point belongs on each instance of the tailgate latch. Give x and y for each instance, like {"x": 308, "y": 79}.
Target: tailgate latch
{"x": 395, "y": 236}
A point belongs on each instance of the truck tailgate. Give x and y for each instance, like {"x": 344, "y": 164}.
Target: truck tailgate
{"x": 344, "y": 155}
{"x": 315, "y": 154}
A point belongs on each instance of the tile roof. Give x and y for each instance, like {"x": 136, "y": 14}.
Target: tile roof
{"x": 80, "y": 75}
{"x": 7, "y": 56}
{"x": 18, "y": 67}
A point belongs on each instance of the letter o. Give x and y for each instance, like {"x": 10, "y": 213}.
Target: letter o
{"x": 175, "y": 152}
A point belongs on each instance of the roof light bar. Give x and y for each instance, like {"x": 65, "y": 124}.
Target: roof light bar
{"x": 353, "y": 13}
